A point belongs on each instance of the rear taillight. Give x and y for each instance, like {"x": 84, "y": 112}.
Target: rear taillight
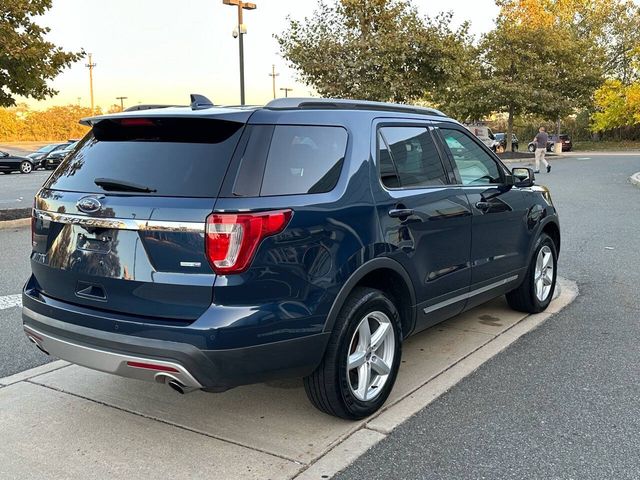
{"x": 233, "y": 238}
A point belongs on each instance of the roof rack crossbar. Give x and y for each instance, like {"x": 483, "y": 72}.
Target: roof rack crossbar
{"x": 328, "y": 103}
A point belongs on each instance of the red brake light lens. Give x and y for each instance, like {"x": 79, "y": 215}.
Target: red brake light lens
{"x": 232, "y": 238}
{"x": 136, "y": 122}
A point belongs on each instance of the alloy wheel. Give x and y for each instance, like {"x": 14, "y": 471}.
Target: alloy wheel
{"x": 26, "y": 167}
{"x": 543, "y": 279}
{"x": 371, "y": 354}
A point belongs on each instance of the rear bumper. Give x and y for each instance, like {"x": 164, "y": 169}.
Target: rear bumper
{"x": 161, "y": 360}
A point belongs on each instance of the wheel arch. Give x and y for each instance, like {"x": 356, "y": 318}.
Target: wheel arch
{"x": 384, "y": 274}
{"x": 552, "y": 229}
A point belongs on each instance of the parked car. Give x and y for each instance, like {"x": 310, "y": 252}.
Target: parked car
{"x": 532, "y": 146}
{"x": 39, "y": 157}
{"x": 567, "y": 144}
{"x": 159, "y": 254}
{"x": 15, "y": 163}
{"x": 55, "y": 158}
{"x": 501, "y": 138}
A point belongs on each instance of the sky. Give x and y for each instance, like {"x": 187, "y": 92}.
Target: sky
{"x": 160, "y": 51}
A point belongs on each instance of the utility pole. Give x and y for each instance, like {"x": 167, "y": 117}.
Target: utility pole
{"x": 273, "y": 76}
{"x": 79, "y": 98}
{"x": 91, "y": 66}
{"x": 286, "y": 91}
{"x": 122, "y": 99}
{"x": 242, "y": 30}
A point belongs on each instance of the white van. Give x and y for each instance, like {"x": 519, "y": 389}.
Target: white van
{"x": 485, "y": 135}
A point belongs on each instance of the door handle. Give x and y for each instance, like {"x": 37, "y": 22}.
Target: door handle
{"x": 401, "y": 212}
{"x": 483, "y": 206}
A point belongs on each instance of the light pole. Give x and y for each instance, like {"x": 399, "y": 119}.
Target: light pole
{"x": 241, "y": 31}
{"x": 286, "y": 91}
{"x": 91, "y": 66}
{"x": 122, "y": 99}
{"x": 273, "y": 76}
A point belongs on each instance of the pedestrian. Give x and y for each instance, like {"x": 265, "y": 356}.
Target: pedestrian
{"x": 540, "y": 141}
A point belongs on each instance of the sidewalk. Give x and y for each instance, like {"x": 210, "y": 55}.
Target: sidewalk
{"x": 60, "y": 420}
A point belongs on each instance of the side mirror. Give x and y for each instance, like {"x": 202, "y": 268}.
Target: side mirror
{"x": 523, "y": 177}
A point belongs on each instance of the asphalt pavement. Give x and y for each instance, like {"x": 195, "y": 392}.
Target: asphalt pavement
{"x": 563, "y": 401}
{"x": 17, "y": 189}
{"x": 16, "y": 353}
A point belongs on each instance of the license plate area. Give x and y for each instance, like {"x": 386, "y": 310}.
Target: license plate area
{"x": 97, "y": 242}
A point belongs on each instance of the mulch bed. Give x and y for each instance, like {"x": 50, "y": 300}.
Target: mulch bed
{"x": 14, "y": 213}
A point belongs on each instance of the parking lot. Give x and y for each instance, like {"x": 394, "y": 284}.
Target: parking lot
{"x": 270, "y": 430}
{"x": 570, "y": 371}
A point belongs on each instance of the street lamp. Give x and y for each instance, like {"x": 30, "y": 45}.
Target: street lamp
{"x": 122, "y": 99}
{"x": 242, "y": 30}
{"x": 286, "y": 91}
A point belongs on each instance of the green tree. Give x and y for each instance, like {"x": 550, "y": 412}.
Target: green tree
{"x": 373, "y": 49}
{"x": 27, "y": 60}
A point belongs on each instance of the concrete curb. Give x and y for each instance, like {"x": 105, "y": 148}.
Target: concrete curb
{"x": 635, "y": 179}
{"x": 19, "y": 223}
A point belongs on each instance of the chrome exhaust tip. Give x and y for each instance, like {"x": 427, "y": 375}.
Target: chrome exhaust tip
{"x": 175, "y": 384}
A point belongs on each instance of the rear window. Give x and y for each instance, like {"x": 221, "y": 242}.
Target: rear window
{"x": 173, "y": 157}
{"x": 304, "y": 159}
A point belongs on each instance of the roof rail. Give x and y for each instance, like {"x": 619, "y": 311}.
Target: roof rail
{"x": 332, "y": 103}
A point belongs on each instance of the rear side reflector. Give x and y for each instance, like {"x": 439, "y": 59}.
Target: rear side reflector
{"x": 153, "y": 366}
{"x": 233, "y": 238}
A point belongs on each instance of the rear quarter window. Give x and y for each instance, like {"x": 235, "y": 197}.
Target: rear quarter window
{"x": 304, "y": 159}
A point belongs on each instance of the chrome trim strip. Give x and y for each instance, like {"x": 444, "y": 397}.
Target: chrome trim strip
{"x": 121, "y": 223}
{"x": 105, "y": 361}
{"x": 470, "y": 294}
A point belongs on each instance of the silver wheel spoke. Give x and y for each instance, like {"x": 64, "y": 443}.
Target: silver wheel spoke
{"x": 379, "y": 366}
{"x": 364, "y": 331}
{"x": 356, "y": 359}
{"x": 547, "y": 277}
{"x": 546, "y": 259}
{"x": 379, "y": 336}
{"x": 364, "y": 378}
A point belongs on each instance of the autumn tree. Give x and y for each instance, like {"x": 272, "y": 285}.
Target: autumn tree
{"x": 540, "y": 59}
{"x": 27, "y": 60}
{"x": 373, "y": 49}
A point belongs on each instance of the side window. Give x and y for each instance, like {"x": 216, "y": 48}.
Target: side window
{"x": 408, "y": 158}
{"x": 474, "y": 165}
{"x": 304, "y": 159}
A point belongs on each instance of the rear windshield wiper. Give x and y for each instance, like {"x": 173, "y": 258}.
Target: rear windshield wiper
{"x": 121, "y": 185}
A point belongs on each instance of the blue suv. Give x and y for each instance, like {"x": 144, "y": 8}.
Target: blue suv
{"x": 207, "y": 247}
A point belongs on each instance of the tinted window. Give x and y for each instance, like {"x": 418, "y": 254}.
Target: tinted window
{"x": 174, "y": 157}
{"x": 475, "y": 166}
{"x": 408, "y": 158}
{"x": 304, "y": 159}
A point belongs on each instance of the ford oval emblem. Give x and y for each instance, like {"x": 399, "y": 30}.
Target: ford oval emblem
{"x": 88, "y": 204}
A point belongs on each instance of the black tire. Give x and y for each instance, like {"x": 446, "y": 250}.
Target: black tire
{"x": 328, "y": 387}
{"x": 524, "y": 298}
{"x": 26, "y": 167}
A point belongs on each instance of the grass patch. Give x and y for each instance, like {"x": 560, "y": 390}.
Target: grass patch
{"x": 606, "y": 146}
